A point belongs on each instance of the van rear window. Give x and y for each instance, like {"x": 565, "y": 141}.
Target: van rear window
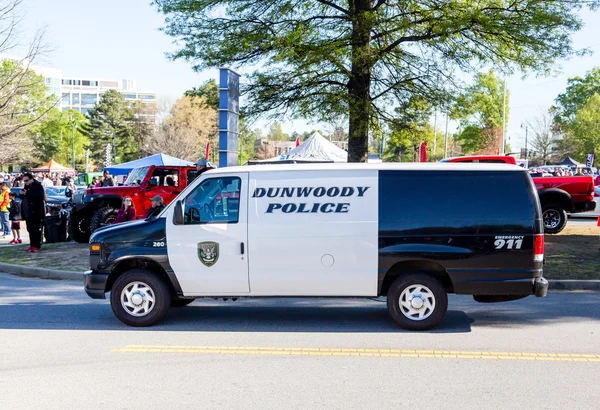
{"x": 455, "y": 200}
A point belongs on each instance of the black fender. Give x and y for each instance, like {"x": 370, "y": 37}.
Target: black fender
{"x": 556, "y": 196}
{"x": 93, "y": 202}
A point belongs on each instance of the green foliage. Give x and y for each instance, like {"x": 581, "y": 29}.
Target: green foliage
{"x": 246, "y": 141}
{"x": 53, "y": 136}
{"x": 276, "y": 133}
{"x": 585, "y": 128}
{"x": 209, "y": 90}
{"x": 111, "y": 120}
{"x": 321, "y": 59}
{"x": 23, "y": 101}
{"x": 480, "y": 111}
{"x": 578, "y": 93}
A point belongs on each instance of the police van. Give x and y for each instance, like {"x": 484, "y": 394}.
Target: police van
{"x": 411, "y": 232}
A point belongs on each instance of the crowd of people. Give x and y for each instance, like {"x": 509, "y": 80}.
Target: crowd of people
{"x": 32, "y": 205}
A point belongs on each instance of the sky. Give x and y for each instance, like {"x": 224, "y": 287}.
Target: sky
{"x": 117, "y": 39}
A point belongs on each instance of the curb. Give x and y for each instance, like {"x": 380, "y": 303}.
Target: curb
{"x": 43, "y": 273}
{"x": 593, "y": 285}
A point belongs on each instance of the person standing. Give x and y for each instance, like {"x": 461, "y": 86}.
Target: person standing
{"x": 15, "y": 219}
{"x": 47, "y": 181}
{"x": 108, "y": 180}
{"x": 34, "y": 210}
{"x": 4, "y": 203}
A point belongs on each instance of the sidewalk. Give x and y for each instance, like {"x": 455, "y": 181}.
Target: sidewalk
{"x": 24, "y": 236}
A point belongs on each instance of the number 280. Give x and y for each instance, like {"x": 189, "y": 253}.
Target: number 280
{"x": 508, "y": 243}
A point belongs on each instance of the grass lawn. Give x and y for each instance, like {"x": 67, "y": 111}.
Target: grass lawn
{"x": 573, "y": 254}
{"x": 62, "y": 256}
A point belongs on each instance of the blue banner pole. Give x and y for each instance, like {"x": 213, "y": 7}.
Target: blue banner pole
{"x": 229, "y": 113}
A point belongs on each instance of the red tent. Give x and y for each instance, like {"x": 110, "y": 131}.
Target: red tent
{"x": 53, "y": 166}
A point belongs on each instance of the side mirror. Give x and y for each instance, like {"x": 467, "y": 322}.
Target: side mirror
{"x": 178, "y": 213}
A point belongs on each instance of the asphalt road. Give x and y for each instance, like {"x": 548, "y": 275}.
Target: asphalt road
{"x": 59, "y": 349}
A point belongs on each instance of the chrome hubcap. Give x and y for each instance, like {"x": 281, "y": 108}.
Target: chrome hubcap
{"x": 137, "y": 298}
{"x": 417, "y": 302}
{"x": 551, "y": 219}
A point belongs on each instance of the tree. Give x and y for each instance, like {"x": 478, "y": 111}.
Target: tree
{"x": 410, "y": 128}
{"x": 187, "y": 129}
{"x": 209, "y": 90}
{"x": 541, "y": 135}
{"x": 143, "y": 123}
{"x": 53, "y": 137}
{"x": 480, "y": 111}
{"x": 325, "y": 58}
{"x": 23, "y": 93}
{"x": 276, "y": 133}
{"x": 586, "y": 128}
{"x": 578, "y": 93}
{"x": 247, "y": 142}
{"x": 110, "y": 123}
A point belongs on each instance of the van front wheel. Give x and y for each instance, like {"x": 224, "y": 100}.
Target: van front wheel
{"x": 140, "y": 298}
{"x": 417, "y": 302}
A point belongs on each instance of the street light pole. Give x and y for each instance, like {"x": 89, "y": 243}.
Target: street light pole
{"x": 114, "y": 147}
{"x": 503, "y": 149}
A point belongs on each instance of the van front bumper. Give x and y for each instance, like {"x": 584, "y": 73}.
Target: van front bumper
{"x": 95, "y": 284}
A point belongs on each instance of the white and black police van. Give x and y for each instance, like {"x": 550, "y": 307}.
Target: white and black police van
{"x": 413, "y": 233}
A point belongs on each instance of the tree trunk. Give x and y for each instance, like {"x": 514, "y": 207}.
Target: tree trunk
{"x": 359, "y": 84}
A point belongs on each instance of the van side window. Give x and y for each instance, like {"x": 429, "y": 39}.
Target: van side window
{"x": 215, "y": 200}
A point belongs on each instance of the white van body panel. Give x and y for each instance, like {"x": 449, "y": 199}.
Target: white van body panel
{"x": 318, "y": 237}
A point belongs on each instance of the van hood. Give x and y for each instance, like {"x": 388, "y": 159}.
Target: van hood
{"x": 141, "y": 230}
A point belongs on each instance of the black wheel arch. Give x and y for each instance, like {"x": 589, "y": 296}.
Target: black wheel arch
{"x": 424, "y": 267}
{"x": 140, "y": 262}
{"x": 555, "y": 196}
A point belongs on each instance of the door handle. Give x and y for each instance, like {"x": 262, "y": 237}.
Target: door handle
{"x": 242, "y": 247}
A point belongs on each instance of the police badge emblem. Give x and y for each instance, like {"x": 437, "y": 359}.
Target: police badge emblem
{"x": 208, "y": 253}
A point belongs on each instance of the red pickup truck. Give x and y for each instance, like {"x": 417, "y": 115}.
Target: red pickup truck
{"x": 96, "y": 207}
{"x": 558, "y": 195}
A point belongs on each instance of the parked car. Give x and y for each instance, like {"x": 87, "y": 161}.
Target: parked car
{"x": 559, "y": 196}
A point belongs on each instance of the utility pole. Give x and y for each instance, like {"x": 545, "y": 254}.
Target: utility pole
{"x": 446, "y": 139}
{"x": 73, "y": 144}
{"x": 434, "y": 132}
{"x": 114, "y": 147}
{"x": 503, "y": 149}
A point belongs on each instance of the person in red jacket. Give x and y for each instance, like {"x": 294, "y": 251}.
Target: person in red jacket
{"x": 127, "y": 211}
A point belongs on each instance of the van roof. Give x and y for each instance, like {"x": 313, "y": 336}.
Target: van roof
{"x": 408, "y": 166}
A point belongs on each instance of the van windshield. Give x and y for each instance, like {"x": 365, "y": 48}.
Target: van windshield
{"x": 137, "y": 176}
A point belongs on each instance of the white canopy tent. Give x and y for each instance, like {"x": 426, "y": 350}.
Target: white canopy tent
{"x": 315, "y": 149}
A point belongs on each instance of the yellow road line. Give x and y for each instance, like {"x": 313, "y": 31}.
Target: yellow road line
{"x": 404, "y": 353}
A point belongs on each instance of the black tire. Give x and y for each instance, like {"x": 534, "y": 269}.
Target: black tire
{"x": 79, "y": 229}
{"x": 431, "y": 317}
{"x": 555, "y": 218}
{"x": 178, "y": 303}
{"x": 102, "y": 217}
{"x": 156, "y": 311}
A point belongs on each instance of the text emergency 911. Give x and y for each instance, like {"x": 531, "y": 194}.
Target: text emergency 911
{"x": 302, "y": 192}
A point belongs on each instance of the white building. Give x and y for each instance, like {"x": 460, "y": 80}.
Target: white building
{"x": 81, "y": 93}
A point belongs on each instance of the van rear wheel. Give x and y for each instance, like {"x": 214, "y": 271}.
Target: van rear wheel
{"x": 417, "y": 302}
{"x": 140, "y": 298}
